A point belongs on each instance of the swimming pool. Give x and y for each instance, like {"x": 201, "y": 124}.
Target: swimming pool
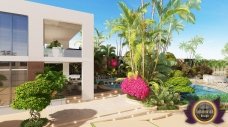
{"x": 113, "y": 85}
{"x": 204, "y": 90}
{"x": 199, "y": 90}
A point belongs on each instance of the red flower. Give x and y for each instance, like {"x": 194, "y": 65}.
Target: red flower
{"x": 136, "y": 87}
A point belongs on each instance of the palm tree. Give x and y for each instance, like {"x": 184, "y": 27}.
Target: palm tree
{"x": 145, "y": 38}
{"x": 99, "y": 38}
{"x": 167, "y": 16}
{"x": 108, "y": 50}
{"x": 191, "y": 46}
{"x": 127, "y": 26}
{"x": 225, "y": 51}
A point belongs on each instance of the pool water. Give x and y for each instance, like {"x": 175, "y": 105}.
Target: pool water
{"x": 113, "y": 85}
{"x": 203, "y": 90}
{"x": 199, "y": 90}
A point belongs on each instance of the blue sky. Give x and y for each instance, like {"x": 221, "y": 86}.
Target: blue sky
{"x": 211, "y": 22}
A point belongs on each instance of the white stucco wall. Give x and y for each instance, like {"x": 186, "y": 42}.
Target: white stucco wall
{"x": 36, "y": 14}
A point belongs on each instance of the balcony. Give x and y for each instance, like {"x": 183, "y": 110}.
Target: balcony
{"x": 60, "y": 52}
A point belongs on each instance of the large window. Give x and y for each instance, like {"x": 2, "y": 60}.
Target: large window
{"x": 13, "y": 35}
{"x": 12, "y": 74}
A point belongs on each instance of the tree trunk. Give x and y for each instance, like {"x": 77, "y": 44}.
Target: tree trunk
{"x": 35, "y": 115}
{"x": 143, "y": 45}
{"x": 153, "y": 10}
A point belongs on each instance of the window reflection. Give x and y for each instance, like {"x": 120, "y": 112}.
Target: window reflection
{"x": 12, "y": 74}
{"x": 13, "y": 35}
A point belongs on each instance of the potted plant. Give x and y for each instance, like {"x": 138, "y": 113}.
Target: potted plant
{"x": 56, "y": 48}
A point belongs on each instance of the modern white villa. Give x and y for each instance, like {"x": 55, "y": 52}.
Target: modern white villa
{"x": 26, "y": 28}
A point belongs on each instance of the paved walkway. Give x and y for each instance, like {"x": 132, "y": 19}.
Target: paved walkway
{"x": 112, "y": 112}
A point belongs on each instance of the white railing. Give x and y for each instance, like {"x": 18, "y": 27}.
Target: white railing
{"x": 59, "y": 52}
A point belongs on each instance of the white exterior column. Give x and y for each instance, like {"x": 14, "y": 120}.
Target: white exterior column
{"x": 88, "y": 59}
{"x": 66, "y": 69}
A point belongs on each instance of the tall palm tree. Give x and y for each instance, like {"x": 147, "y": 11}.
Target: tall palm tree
{"x": 191, "y": 46}
{"x": 99, "y": 38}
{"x": 127, "y": 26}
{"x": 108, "y": 50}
{"x": 173, "y": 11}
{"x": 225, "y": 51}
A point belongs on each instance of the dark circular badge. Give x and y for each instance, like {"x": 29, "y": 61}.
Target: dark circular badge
{"x": 204, "y": 111}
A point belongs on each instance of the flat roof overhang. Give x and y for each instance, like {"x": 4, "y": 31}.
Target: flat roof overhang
{"x": 58, "y": 30}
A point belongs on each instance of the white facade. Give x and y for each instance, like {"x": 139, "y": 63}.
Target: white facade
{"x": 37, "y": 15}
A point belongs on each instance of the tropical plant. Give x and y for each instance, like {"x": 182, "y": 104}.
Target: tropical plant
{"x": 31, "y": 123}
{"x": 145, "y": 37}
{"x": 108, "y": 50}
{"x": 225, "y": 51}
{"x": 202, "y": 69}
{"x": 162, "y": 97}
{"x": 223, "y": 97}
{"x": 127, "y": 26}
{"x": 55, "y": 43}
{"x": 177, "y": 73}
{"x": 179, "y": 85}
{"x": 191, "y": 46}
{"x": 54, "y": 79}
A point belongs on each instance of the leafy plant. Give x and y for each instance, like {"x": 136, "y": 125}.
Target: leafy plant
{"x": 191, "y": 46}
{"x": 162, "y": 97}
{"x": 31, "y": 123}
{"x": 36, "y": 95}
{"x": 177, "y": 73}
{"x": 180, "y": 85}
{"x": 225, "y": 51}
{"x": 202, "y": 69}
{"x": 56, "y": 80}
{"x": 223, "y": 97}
{"x": 33, "y": 96}
{"x": 55, "y": 43}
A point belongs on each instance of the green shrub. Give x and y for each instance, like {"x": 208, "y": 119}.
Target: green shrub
{"x": 167, "y": 107}
{"x": 223, "y": 97}
{"x": 180, "y": 85}
{"x": 34, "y": 123}
{"x": 55, "y": 43}
{"x": 202, "y": 69}
{"x": 36, "y": 95}
{"x": 56, "y": 80}
{"x": 161, "y": 96}
{"x": 177, "y": 73}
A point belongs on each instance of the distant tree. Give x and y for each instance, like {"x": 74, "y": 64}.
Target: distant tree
{"x": 191, "y": 46}
{"x": 225, "y": 51}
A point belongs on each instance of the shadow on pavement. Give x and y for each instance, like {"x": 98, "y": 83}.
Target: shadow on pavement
{"x": 12, "y": 123}
{"x": 67, "y": 118}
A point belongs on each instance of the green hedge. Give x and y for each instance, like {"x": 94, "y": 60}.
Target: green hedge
{"x": 223, "y": 97}
{"x": 177, "y": 73}
{"x": 180, "y": 85}
{"x": 34, "y": 123}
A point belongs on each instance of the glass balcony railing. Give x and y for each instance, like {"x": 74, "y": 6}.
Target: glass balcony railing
{"x": 59, "y": 52}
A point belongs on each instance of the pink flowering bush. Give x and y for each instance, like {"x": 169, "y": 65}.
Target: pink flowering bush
{"x": 135, "y": 86}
